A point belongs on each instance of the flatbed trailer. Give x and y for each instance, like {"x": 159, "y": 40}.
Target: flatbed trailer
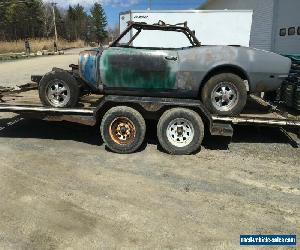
{"x": 93, "y": 108}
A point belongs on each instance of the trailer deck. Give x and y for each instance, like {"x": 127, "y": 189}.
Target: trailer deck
{"x": 25, "y": 102}
{"x": 257, "y": 111}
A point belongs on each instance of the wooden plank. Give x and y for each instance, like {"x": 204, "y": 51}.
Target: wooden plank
{"x": 31, "y": 98}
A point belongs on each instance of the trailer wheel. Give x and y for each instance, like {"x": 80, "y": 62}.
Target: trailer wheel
{"x": 180, "y": 131}
{"x": 123, "y": 129}
{"x": 59, "y": 89}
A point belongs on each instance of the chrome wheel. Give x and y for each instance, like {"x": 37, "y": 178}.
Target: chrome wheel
{"x": 180, "y": 132}
{"x": 224, "y": 96}
{"x": 58, "y": 93}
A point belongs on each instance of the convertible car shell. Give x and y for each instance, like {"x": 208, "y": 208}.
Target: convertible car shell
{"x": 178, "y": 72}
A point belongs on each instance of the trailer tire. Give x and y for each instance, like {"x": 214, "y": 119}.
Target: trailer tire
{"x": 180, "y": 131}
{"x": 123, "y": 129}
{"x": 64, "y": 87}
{"x": 229, "y": 102}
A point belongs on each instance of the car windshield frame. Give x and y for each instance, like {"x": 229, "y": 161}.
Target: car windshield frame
{"x": 143, "y": 26}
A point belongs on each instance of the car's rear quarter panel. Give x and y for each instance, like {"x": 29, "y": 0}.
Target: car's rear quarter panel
{"x": 196, "y": 63}
{"x": 262, "y": 68}
{"x": 267, "y": 70}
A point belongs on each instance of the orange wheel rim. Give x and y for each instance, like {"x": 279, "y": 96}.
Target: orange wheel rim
{"x": 122, "y": 131}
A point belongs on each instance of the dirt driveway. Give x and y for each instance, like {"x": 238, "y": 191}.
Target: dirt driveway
{"x": 60, "y": 189}
{"x": 14, "y": 73}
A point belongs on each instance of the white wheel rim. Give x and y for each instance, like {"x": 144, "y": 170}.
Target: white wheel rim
{"x": 180, "y": 132}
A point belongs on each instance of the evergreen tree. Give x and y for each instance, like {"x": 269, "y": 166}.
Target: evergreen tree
{"x": 99, "y": 22}
{"x": 76, "y": 23}
{"x": 34, "y": 19}
{"x": 20, "y": 18}
{"x": 3, "y": 23}
{"x": 70, "y": 19}
{"x": 80, "y": 21}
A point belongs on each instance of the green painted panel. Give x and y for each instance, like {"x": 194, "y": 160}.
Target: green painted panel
{"x": 139, "y": 68}
{"x": 295, "y": 58}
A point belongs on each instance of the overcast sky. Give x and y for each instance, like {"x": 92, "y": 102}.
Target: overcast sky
{"x": 114, "y": 7}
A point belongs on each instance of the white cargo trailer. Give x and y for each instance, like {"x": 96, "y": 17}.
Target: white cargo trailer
{"x": 276, "y": 23}
{"x": 217, "y": 27}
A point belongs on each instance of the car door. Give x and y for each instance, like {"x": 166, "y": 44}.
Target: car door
{"x": 135, "y": 68}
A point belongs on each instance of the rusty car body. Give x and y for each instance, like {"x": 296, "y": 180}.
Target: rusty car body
{"x": 124, "y": 69}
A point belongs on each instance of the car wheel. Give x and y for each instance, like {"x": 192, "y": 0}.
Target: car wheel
{"x": 59, "y": 89}
{"x": 123, "y": 129}
{"x": 180, "y": 131}
{"x": 224, "y": 94}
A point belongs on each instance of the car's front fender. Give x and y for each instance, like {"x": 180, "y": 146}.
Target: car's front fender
{"x": 89, "y": 68}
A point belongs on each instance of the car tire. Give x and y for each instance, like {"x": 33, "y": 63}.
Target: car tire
{"x": 224, "y": 94}
{"x": 123, "y": 129}
{"x": 180, "y": 131}
{"x": 59, "y": 89}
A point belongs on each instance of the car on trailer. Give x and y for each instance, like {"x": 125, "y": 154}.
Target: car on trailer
{"x": 221, "y": 77}
{"x": 189, "y": 92}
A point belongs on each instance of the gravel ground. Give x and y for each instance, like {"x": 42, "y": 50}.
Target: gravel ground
{"x": 14, "y": 73}
{"x": 61, "y": 189}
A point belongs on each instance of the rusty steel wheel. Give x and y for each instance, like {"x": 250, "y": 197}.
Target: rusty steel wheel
{"x": 123, "y": 129}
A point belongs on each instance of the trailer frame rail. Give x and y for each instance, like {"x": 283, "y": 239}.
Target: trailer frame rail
{"x": 150, "y": 107}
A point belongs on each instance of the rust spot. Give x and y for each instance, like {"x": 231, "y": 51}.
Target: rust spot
{"x": 151, "y": 106}
{"x": 5, "y": 91}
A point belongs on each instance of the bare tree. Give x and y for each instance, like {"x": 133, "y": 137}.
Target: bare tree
{"x": 48, "y": 19}
{"x": 113, "y": 33}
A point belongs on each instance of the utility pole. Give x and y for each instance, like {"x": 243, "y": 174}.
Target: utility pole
{"x": 54, "y": 21}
